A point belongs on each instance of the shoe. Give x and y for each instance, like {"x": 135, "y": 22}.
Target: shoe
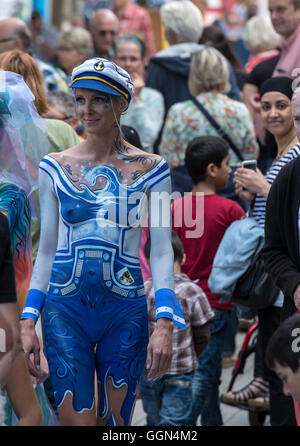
{"x": 260, "y": 401}
{"x": 258, "y": 387}
{"x": 229, "y": 361}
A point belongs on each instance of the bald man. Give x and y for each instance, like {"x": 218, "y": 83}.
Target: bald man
{"x": 15, "y": 35}
{"x": 104, "y": 30}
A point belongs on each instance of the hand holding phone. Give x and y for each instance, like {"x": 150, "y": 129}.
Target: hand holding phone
{"x": 249, "y": 164}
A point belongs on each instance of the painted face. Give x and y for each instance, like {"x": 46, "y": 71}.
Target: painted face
{"x": 290, "y": 380}
{"x": 284, "y": 16}
{"x": 129, "y": 57}
{"x": 223, "y": 173}
{"x": 276, "y": 113}
{"x": 94, "y": 110}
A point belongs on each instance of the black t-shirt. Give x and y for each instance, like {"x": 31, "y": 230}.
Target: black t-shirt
{"x": 262, "y": 71}
{"x": 7, "y": 276}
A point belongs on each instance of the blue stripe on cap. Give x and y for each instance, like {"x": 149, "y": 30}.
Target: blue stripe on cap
{"x": 107, "y": 85}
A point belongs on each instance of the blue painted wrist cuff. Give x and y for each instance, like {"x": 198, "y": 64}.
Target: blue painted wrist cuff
{"x": 33, "y": 305}
{"x": 167, "y": 305}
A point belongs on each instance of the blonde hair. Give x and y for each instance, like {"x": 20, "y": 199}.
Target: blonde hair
{"x": 260, "y": 36}
{"x": 22, "y": 63}
{"x": 77, "y": 38}
{"x": 208, "y": 71}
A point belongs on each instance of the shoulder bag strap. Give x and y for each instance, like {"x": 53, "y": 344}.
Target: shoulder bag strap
{"x": 219, "y": 129}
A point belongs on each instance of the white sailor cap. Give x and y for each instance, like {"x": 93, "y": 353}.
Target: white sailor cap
{"x": 103, "y": 75}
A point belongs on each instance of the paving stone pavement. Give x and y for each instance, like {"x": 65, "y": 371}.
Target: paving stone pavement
{"x": 232, "y": 416}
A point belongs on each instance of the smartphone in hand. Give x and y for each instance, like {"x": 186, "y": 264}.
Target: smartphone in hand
{"x": 250, "y": 164}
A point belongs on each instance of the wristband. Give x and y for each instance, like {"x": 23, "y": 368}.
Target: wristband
{"x": 167, "y": 305}
{"x": 33, "y": 305}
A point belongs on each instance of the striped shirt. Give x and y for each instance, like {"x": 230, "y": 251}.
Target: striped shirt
{"x": 197, "y": 311}
{"x": 259, "y": 208}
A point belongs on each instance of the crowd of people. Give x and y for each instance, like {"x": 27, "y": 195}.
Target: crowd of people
{"x": 121, "y": 169}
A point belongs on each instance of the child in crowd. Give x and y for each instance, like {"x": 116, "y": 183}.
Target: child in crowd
{"x": 283, "y": 356}
{"x": 167, "y": 401}
{"x": 200, "y": 219}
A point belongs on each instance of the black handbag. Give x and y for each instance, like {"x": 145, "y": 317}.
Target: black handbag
{"x": 255, "y": 288}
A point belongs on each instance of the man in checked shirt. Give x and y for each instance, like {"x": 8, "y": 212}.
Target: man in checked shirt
{"x": 167, "y": 400}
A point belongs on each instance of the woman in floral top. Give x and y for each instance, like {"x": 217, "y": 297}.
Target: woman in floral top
{"x": 208, "y": 81}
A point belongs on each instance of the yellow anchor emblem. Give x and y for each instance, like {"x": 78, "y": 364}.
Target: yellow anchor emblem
{"x": 99, "y": 66}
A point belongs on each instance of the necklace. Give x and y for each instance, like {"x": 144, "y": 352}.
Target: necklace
{"x": 280, "y": 154}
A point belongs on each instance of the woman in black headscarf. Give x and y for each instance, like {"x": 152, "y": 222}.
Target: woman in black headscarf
{"x": 276, "y": 112}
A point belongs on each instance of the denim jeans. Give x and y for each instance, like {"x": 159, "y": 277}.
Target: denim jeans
{"x": 232, "y": 327}
{"x": 207, "y": 377}
{"x": 167, "y": 400}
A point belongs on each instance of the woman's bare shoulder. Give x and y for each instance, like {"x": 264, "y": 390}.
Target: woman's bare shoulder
{"x": 71, "y": 152}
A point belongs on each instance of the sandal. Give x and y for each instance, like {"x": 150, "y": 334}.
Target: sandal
{"x": 260, "y": 401}
{"x": 258, "y": 387}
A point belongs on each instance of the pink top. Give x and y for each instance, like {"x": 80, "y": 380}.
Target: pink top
{"x": 137, "y": 20}
{"x": 289, "y": 56}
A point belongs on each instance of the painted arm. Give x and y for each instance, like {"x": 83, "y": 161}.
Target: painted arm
{"x": 168, "y": 308}
{"x": 41, "y": 273}
{"x": 47, "y": 249}
{"x": 161, "y": 255}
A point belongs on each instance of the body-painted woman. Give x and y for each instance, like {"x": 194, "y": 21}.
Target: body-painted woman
{"x": 87, "y": 277}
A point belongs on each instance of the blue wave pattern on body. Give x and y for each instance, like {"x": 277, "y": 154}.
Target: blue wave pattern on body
{"x": 96, "y": 294}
